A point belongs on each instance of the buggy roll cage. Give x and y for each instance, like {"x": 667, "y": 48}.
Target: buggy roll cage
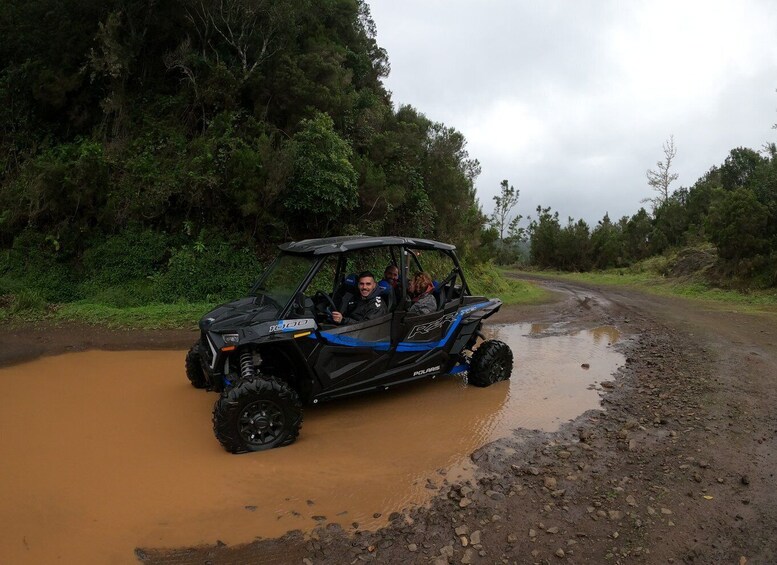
{"x": 322, "y": 248}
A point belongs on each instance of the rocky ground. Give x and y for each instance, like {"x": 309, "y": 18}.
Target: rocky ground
{"x": 677, "y": 467}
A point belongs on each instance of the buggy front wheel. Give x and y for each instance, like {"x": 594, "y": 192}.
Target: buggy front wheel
{"x": 257, "y": 414}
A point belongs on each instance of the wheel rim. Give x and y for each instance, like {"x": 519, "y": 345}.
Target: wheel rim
{"x": 499, "y": 370}
{"x": 261, "y": 423}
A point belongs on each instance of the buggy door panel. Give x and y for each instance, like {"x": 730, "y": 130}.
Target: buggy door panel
{"x": 352, "y": 358}
{"x": 425, "y": 341}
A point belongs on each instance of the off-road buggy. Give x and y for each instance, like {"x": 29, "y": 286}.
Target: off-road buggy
{"x": 270, "y": 352}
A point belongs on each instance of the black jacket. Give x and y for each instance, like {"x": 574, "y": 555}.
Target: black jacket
{"x": 362, "y": 309}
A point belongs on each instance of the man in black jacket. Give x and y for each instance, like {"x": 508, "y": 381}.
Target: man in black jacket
{"x": 368, "y": 306}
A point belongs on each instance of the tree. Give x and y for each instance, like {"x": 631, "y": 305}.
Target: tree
{"x": 737, "y": 226}
{"x": 324, "y": 180}
{"x": 606, "y": 244}
{"x": 740, "y": 167}
{"x": 544, "y": 235}
{"x": 500, "y": 219}
{"x": 660, "y": 180}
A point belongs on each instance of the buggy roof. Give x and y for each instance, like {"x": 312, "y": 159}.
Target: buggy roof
{"x": 331, "y": 245}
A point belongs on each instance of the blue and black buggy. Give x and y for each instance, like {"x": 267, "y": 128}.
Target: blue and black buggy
{"x": 277, "y": 348}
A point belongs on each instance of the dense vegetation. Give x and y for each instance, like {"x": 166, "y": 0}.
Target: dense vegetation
{"x": 161, "y": 147}
{"x": 155, "y": 151}
{"x": 724, "y": 226}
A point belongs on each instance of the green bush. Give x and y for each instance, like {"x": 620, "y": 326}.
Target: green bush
{"x": 128, "y": 295}
{"x": 212, "y": 272}
{"x": 129, "y": 255}
{"x": 486, "y": 279}
{"x": 28, "y": 300}
{"x": 36, "y": 261}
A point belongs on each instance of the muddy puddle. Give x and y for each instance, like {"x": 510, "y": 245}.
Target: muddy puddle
{"x": 103, "y": 452}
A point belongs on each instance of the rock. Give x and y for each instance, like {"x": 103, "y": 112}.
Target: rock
{"x": 552, "y": 530}
{"x": 377, "y": 515}
{"x": 564, "y": 455}
{"x": 614, "y": 515}
{"x": 465, "y": 490}
{"x": 560, "y": 553}
{"x": 585, "y": 366}
{"x": 666, "y": 511}
{"x": 464, "y": 502}
{"x": 307, "y": 561}
{"x": 631, "y": 501}
{"x": 495, "y": 495}
{"x": 411, "y": 547}
{"x": 475, "y": 537}
{"x": 651, "y": 511}
{"x": 632, "y": 445}
{"x": 745, "y": 480}
{"x": 462, "y": 530}
{"x": 532, "y": 533}
{"x": 550, "y": 483}
{"x": 512, "y": 538}
{"x": 533, "y": 471}
{"x": 469, "y": 555}
{"x": 447, "y": 551}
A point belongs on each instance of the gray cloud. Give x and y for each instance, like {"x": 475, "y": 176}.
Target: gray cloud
{"x": 572, "y": 101}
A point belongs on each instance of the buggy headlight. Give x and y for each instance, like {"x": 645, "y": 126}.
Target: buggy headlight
{"x": 231, "y": 339}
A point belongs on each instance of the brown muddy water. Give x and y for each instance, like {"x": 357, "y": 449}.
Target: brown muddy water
{"x": 102, "y": 452}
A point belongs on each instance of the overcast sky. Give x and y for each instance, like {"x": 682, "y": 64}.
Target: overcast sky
{"x": 571, "y": 101}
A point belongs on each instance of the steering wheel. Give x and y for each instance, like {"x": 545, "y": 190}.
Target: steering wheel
{"x": 321, "y": 296}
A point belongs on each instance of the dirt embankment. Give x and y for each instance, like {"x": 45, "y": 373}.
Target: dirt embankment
{"x": 678, "y": 466}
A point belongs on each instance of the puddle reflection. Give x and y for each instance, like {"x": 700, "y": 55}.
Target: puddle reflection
{"x": 114, "y": 450}
{"x": 553, "y": 373}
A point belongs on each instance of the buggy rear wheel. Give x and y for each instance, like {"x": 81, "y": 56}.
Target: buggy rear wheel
{"x": 194, "y": 368}
{"x": 492, "y": 362}
{"x": 257, "y": 414}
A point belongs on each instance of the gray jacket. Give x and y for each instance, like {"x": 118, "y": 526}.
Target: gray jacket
{"x": 426, "y": 304}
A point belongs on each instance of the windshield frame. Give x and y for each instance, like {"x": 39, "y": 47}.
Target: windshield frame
{"x": 314, "y": 263}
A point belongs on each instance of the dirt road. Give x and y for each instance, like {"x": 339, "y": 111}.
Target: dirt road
{"x": 678, "y": 466}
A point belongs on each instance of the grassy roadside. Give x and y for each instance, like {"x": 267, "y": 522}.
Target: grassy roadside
{"x": 149, "y": 316}
{"x": 26, "y": 308}
{"x": 750, "y": 301}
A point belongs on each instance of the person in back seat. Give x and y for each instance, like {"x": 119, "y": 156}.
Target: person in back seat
{"x": 367, "y": 306}
{"x": 421, "y": 291}
{"x": 391, "y": 275}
